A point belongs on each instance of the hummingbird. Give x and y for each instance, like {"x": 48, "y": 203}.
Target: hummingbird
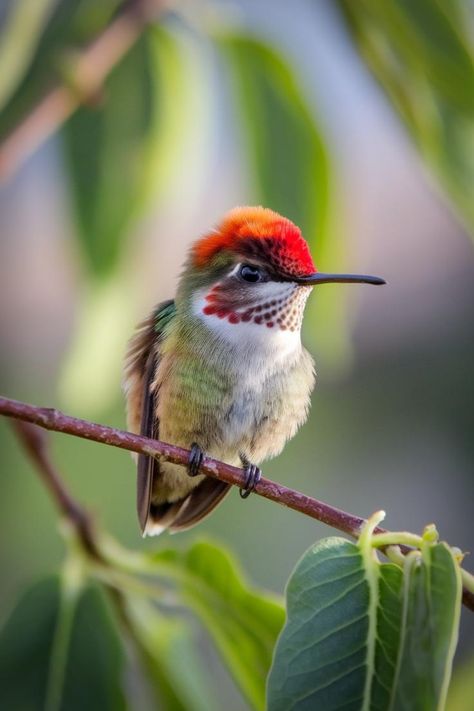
{"x": 221, "y": 368}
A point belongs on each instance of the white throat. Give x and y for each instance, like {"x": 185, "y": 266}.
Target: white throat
{"x": 271, "y": 345}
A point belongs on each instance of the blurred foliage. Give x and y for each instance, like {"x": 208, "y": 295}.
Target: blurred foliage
{"x": 51, "y": 655}
{"x": 121, "y": 152}
{"x": 244, "y": 625}
{"x": 72, "y": 23}
{"x": 18, "y": 41}
{"x": 68, "y": 634}
{"x": 461, "y": 691}
{"x": 285, "y": 148}
{"x": 421, "y": 53}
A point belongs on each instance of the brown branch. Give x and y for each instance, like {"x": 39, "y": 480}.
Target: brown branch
{"x": 85, "y": 81}
{"x": 52, "y": 419}
{"x": 35, "y": 442}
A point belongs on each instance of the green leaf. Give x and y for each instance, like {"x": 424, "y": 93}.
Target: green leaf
{"x": 389, "y": 614}
{"x": 243, "y": 623}
{"x": 421, "y": 54}
{"x": 321, "y": 656}
{"x": 169, "y": 650}
{"x": 59, "y": 649}
{"x": 365, "y": 635}
{"x": 431, "y": 611}
{"x": 289, "y": 163}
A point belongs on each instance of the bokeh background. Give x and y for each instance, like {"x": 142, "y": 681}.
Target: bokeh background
{"x": 353, "y": 119}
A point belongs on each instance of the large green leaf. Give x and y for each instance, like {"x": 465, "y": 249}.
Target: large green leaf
{"x": 243, "y": 623}
{"x": 322, "y": 654}
{"x": 291, "y": 172}
{"x": 361, "y": 635}
{"x": 422, "y": 55}
{"x": 59, "y": 649}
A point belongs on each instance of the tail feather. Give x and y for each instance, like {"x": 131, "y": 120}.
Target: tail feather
{"x": 182, "y": 514}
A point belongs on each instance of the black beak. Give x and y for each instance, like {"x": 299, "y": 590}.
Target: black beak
{"x": 321, "y": 278}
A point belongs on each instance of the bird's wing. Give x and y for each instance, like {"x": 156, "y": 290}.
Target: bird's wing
{"x": 142, "y": 361}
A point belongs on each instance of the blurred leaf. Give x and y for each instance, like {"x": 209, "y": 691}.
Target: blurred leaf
{"x": 60, "y": 651}
{"x": 125, "y": 150}
{"x": 244, "y": 624}
{"x": 421, "y": 54}
{"x": 18, "y": 41}
{"x": 290, "y": 165}
{"x": 169, "y": 653}
{"x": 71, "y": 24}
{"x": 106, "y": 150}
{"x": 91, "y": 374}
{"x": 284, "y": 144}
{"x": 364, "y": 635}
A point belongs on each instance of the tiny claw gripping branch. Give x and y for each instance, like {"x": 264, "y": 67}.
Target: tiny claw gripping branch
{"x": 253, "y": 476}
{"x": 196, "y": 455}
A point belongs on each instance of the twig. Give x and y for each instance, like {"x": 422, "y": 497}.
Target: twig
{"x": 35, "y": 442}
{"x": 87, "y": 77}
{"x": 52, "y": 419}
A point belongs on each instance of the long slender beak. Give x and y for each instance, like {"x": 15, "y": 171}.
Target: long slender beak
{"x": 321, "y": 278}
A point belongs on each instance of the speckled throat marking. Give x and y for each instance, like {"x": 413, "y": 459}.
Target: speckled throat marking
{"x": 278, "y": 305}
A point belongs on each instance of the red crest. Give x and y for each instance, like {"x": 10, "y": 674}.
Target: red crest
{"x": 259, "y": 233}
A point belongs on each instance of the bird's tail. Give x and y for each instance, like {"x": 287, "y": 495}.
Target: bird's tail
{"x": 185, "y": 513}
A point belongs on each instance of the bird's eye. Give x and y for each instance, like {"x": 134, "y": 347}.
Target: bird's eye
{"x": 250, "y": 274}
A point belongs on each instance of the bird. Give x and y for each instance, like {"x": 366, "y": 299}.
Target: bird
{"x": 221, "y": 368}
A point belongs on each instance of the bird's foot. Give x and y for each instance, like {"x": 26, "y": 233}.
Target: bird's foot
{"x": 253, "y": 476}
{"x": 196, "y": 456}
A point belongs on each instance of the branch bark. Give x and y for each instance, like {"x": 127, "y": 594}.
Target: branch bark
{"x": 86, "y": 79}
{"x": 52, "y": 419}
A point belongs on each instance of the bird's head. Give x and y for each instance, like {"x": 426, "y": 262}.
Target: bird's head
{"x": 255, "y": 268}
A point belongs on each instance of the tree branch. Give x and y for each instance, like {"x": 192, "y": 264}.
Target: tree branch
{"x": 85, "y": 81}
{"x": 35, "y": 442}
{"x": 52, "y": 419}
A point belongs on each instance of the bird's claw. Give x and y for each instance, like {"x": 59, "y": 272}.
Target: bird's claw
{"x": 196, "y": 455}
{"x": 254, "y": 475}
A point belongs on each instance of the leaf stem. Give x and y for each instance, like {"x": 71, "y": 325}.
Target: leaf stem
{"x": 396, "y": 538}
